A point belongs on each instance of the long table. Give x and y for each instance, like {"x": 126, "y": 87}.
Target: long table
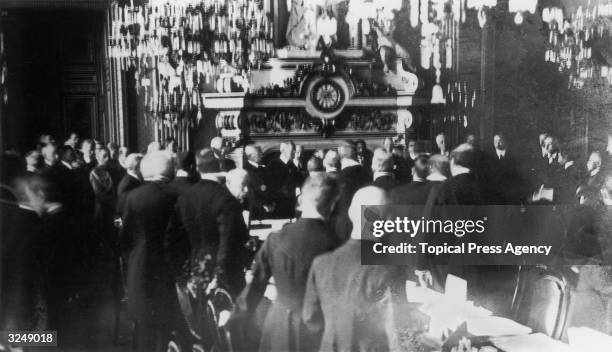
{"x": 447, "y": 315}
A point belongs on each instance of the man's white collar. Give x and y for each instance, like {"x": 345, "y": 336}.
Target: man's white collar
{"x": 378, "y": 174}
{"x": 253, "y": 163}
{"x": 459, "y": 170}
{"x": 348, "y": 163}
{"x": 284, "y": 159}
{"x": 182, "y": 173}
{"x": 436, "y": 176}
{"x": 133, "y": 174}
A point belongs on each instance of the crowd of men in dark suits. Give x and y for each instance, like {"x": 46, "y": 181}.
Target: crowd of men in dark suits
{"x": 66, "y": 210}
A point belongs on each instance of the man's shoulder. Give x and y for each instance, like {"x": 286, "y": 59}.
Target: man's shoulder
{"x": 209, "y": 190}
{"x": 408, "y": 188}
{"x": 274, "y": 162}
{"x": 321, "y": 262}
{"x": 128, "y": 180}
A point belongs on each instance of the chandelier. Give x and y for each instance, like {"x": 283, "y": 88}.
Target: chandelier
{"x": 180, "y": 48}
{"x": 573, "y": 36}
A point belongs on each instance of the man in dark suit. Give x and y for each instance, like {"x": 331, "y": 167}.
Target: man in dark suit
{"x": 542, "y": 165}
{"x": 131, "y": 180}
{"x": 113, "y": 165}
{"x": 220, "y": 150}
{"x": 149, "y": 286}
{"x": 382, "y": 168}
{"x": 566, "y": 180}
{"x": 185, "y": 174}
{"x": 23, "y": 240}
{"x": 287, "y": 179}
{"x": 462, "y": 188}
{"x": 331, "y": 163}
{"x": 300, "y": 161}
{"x": 401, "y": 166}
{"x": 593, "y": 180}
{"x": 499, "y": 174}
{"x": 417, "y": 191}
{"x": 287, "y": 255}
{"x": 86, "y": 155}
{"x": 352, "y": 176}
{"x": 260, "y": 203}
{"x": 71, "y": 186}
{"x": 211, "y": 220}
{"x": 348, "y": 302}
{"x": 364, "y": 155}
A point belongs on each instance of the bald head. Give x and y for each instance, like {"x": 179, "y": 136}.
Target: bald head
{"x": 347, "y": 150}
{"x": 153, "y": 147}
{"x": 236, "y": 183}
{"x": 382, "y": 161}
{"x": 216, "y": 144}
{"x": 253, "y": 153}
{"x": 463, "y": 156}
{"x": 367, "y": 196}
{"x": 320, "y": 193}
{"x": 331, "y": 162}
{"x": 132, "y": 162}
{"x": 156, "y": 166}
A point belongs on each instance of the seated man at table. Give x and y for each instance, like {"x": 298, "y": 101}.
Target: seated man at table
{"x": 286, "y": 255}
{"x": 349, "y": 302}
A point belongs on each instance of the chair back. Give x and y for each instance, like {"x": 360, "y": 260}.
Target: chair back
{"x": 541, "y": 300}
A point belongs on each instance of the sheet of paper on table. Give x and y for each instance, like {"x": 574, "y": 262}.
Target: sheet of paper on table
{"x": 530, "y": 343}
{"x": 455, "y": 288}
{"x": 495, "y": 326}
{"x": 420, "y": 294}
{"x": 587, "y": 339}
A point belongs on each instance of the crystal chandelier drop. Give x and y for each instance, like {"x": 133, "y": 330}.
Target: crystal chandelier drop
{"x": 573, "y": 36}
{"x": 521, "y": 7}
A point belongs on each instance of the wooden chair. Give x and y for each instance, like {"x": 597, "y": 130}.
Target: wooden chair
{"x": 541, "y": 300}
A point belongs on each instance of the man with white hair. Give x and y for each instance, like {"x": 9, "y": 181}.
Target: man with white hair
{"x": 352, "y": 177}
{"x": 382, "y": 168}
{"x": 344, "y": 299}
{"x": 286, "y": 255}
{"x": 153, "y": 147}
{"x": 286, "y": 178}
{"x": 331, "y": 162}
{"x": 151, "y": 298}
{"x": 236, "y": 182}
{"x": 131, "y": 180}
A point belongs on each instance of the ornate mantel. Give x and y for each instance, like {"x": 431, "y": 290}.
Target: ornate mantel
{"x": 318, "y": 101}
